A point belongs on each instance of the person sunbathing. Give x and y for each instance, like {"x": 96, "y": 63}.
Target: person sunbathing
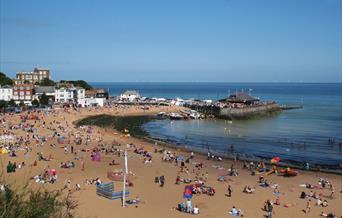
{"x": 328, "y": 215}
{"x": 265, "y": 183}
{"x": 195, "y": 210}
{"x": 113, "y": 163}
{"x": 134, "y": 201}
{"x": 324, "y": 203}
{"x": 236, "y": 212}
{"x": 248, "y": 190}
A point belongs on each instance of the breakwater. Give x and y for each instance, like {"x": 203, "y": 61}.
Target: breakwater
{"x": 247, "y": 112}
{"x": 250, "y": 112}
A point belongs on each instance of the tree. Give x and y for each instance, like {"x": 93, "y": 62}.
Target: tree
{"x": 3, "y": 105}
{"x": 4, "y": 80}
{"x": 12, "y": 103}
{"x": 35, "y": 102}
{"x": 47, "y": 82}
{"x": 80, "y": 83}
{"x": 21, "y": 104}
{"x": 44, "y": 99}
{"x": 26, "y": 202}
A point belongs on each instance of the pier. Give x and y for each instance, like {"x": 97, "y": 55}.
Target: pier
{"x": 290, "y": 107}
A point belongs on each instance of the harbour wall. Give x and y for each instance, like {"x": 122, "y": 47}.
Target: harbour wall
{"x": 248, "y": 112}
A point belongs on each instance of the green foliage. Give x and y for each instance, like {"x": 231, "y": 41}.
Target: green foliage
{"x": 80, "y": 83}
{"x": 12, "y": 103}
{"x": 4, "y": 80}
{"x": 47, "y": 82}
{"x": 31, "y": 204}
{"x": 44, "y": 99}
{"x": 133, "y": 123}
{"x": 22, "y": 104}
{"x": 3, "y": 104}
{"x": 35, "y": 102}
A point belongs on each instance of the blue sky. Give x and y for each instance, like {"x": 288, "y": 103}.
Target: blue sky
{"x": 171, "y": 40}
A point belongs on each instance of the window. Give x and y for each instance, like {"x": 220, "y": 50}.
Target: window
{"x": 28, "y": 93}
{"x": 21, "y": 88}
{"x": 27, "y": 87}
{"x": 21, "y": 93}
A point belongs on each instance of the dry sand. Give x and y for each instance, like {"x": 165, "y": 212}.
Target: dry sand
{"x": 160, "y": 202}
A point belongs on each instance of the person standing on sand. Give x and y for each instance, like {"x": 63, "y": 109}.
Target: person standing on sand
{"x": 308, "y": 206}
{"x": 192, "y": 155}
{"x": 229, "y": 191}
{"x": 332, "y": 190}
{"x": 270, "y": 209}
{"x": 82, "y": 164}
{"x": 162, "y": 181}
{"x": 188, "y": 206}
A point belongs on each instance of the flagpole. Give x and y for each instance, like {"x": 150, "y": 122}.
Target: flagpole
{"x": 124, "y": 181}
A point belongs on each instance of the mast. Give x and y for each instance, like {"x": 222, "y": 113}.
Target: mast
{"x": 124, "y": 182}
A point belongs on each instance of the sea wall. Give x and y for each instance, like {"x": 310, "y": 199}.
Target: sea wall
{"x": 249, "y": 112}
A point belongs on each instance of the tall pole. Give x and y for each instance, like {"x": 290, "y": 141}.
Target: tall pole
{"x": 124, "y": 181}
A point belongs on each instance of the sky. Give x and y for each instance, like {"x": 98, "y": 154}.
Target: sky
{"x": 174, "y": 40}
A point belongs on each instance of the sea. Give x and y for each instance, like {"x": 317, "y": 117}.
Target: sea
{"x": 312, "y": 134}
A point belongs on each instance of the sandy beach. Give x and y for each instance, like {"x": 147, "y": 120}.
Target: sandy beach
{"x": 155, "y": 201}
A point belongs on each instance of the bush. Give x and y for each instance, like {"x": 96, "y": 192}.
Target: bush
{"x": 30, "y": 204}
{"x": 4, "y": 80}
{"x": 47, "y": 82}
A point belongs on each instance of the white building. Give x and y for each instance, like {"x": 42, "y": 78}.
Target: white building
{"x": 48, "y": 90}
{"x": 130, "y": 95}
{"x": 69, "y": 95}
{"x": 6, "y": 93}
{"x": 91, "y": 102}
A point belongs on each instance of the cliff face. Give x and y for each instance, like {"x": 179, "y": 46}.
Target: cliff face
{"x": 250, "y": 112}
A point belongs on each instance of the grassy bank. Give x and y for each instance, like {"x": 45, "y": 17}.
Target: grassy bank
{"x": 133, "y": 123}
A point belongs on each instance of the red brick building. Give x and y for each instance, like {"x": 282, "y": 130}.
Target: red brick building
{"x": 23, "y": 92}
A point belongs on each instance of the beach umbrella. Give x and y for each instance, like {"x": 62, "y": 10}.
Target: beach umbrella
{"x": 4, "y": 151}
{"x": 275, "y": 160}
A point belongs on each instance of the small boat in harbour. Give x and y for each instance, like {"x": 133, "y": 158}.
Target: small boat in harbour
{"x": 175, "y": 116}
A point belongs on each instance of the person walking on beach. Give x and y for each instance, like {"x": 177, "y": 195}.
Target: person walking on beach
{"x": 332, "y": 190}
{"x": 82, "y": 164}
{"x": 308, "y": 206}
{"x": 188, "y": 206}
{"x": 162, "y": 181}
{"x": 229, "y": 191}
{"x": 270, "y": 209}
{"x": 192, "y": 155}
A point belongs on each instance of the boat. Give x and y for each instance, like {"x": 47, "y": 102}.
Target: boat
{"x": 194, "y": 114}
{"x": 175, "y": 116}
